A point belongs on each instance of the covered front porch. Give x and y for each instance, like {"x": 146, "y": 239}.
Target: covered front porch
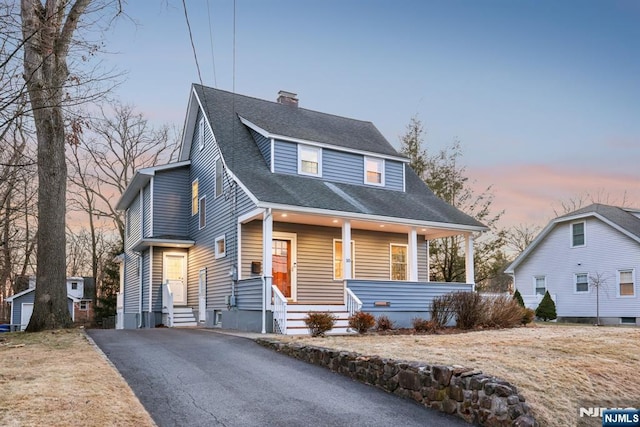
{"x": 293, "y": 262}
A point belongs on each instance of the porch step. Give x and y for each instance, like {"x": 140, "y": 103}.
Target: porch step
{"x": 297, "y": 312}
{"x": 183, "y": 317}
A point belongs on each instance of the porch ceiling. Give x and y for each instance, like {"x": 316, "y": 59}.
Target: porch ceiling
{"x": 382, "y": 226}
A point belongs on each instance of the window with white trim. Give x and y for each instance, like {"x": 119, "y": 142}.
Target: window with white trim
{"x": 577, "y": 234}
{"x": 194, "y": 197}
{"x": 399, "y": 262}
{"x": 540, "y": 285}
{"x": 582, "y": 282}
{"x": 202, "y": 217}
{"x": 626, "y": 283}
{"x": 221, "y": 247}
{"x": 74, "y": 286}
{"x": 201, "y": 133}
{"x": 309, "y": 160}
{"x": 219, "y": 177}
{"x": 373, "y": 171}
{"x": 338, "y": 265}
{"x": 84, "y": 305}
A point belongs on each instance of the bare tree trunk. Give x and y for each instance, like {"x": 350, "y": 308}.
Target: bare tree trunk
{"x": 48, "y": 33}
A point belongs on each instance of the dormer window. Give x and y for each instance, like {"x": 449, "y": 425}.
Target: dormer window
{"x": 309, "y": 160}
{"x": 373, "y": 171}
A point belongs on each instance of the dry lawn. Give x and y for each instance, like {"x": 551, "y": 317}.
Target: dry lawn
{"x": 553, "y": 366}
{"x": 58, "y": 379}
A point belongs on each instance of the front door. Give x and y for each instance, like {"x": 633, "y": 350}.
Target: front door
{"x": 175, "y": 272}
{"x": 284, "y": 263}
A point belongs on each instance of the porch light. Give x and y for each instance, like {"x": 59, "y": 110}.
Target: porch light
{"x": 284, "y": 215}
{"x": 335, "y": 221}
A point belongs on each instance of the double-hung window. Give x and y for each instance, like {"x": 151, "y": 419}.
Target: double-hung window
{"x": 373, "y": 171}
{"x": 309, "y": 160}
{"x": 540, "y": 283}
{"x": 399, "y": 262}
{"x": 194, "y": 197}
{"x": 338, "y": 264}
{"x": 582, "y": 282}
{"x": 626, "y": 283}
{"x": 577, "y": 234}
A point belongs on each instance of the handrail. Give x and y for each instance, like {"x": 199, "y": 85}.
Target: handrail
{"x": 279, "y": 311}
{"x": 353, "y": 302}
{"x": 167, "y": 302}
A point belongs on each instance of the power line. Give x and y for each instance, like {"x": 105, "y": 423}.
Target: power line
{"x": 193, "y": 46}
{"x": 213, "y": 58}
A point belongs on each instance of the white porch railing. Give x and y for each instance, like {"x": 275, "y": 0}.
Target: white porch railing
{"x": 167, "y": 303}
{"x": 279, "y": 311}
{"x": 353, "y": 302}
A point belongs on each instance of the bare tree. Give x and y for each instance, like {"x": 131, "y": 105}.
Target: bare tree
{"x": 519, "y": 237}
{"x": 586, "y": 198}
{"x": 598, "y": 281}
{"x": 49, "y": 28}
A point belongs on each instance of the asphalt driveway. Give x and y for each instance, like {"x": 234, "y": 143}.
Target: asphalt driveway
{"x": 193, "y": 377}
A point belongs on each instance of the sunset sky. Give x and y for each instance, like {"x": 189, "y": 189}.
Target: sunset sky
{"x": 543, "y": 95}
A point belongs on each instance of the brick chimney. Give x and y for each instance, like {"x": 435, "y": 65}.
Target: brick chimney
{"x": 288, "y": 98}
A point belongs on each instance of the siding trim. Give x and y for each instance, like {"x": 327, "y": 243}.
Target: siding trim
{"x": 273, "y": 153}
{"x": 150, "y": 278}
{"x": 151, "y": 206}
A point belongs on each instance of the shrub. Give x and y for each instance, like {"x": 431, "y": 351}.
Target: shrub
{"x": 547, "y": 308}
{"x": 383, "y": 323}
{"x": 422, "y": 325}
{"x": 442, "y": 310}
{"x": 518, "y": 297}
{"x": 527, "y": 315}
{"x": 361, "y": 321}
{"x": 319, "y": 323}
{"x": 469, "y": 309}
{"x": 502, "y": 312}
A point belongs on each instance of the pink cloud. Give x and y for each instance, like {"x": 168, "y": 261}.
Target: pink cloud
{"x": 529, "y": 193}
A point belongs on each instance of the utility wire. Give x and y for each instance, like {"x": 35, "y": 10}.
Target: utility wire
{"x": 193, "y": 46}
{"x": 213, "y": 58}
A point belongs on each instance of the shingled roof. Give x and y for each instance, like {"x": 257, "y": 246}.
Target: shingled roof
{"x": 243, "y": 158}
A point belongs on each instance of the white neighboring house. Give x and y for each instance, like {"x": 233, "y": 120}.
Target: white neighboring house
{"x": 596, "y": 241}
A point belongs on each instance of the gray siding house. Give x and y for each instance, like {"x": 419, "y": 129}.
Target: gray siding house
{"x": 598, "y": 244}
{"x": 246, "y": 230}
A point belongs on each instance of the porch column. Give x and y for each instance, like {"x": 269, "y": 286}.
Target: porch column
{"x": 468, "y": 259}
{"x": 426, "y": 242}
{"x": 413, "y": 255}
{"x": 346, "y": 250}
{"x": 267, "y": 269}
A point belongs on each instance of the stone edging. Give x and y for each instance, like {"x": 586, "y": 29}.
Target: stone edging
{"x": 466, "y": 393}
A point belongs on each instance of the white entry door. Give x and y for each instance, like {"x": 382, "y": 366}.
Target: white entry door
{"x": 27, "y": 311}
{"x": 202, "y": 295}
{"x": 175, "y": 272}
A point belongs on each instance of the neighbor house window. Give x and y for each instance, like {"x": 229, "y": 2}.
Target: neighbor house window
{"x": 540, "y": 283}
{"x": 74, "y": 285}
{"x": 582, "y": 282}
{"x": 203, "y": 212}
{"x": 309, "y": 160}
{"x": 201, "y": 133}
{"x": 373, "y": 171}
{"x": 219, "y": 175}
{"x": 84, "y": 305}
{"x": 577, "y": 234}
{"x": 221, "y": 247}
{"x": 399, "y": 264}
{"x": 626, "y": 287}
{"x": 194, "y": 197}
{"x": 628, "y": 320}
{"x": 338, "y": 265}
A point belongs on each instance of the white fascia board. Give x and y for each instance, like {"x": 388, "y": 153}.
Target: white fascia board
{"x": 167, "y": 166}
{"x": 250, "y": 215}
{"x": 267, "y": 134}
{"x": 531, "y": 247}
{"x": 373, "y": 218}
{"x": 189, "y": 124}
{"x": 139, "y": 180}
{"x": 19, "y": 294}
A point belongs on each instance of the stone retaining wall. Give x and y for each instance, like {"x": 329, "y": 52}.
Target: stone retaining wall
{"x": 467, "y": 393}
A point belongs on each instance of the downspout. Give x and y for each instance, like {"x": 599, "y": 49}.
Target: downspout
{"x": 140, "y": 258}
